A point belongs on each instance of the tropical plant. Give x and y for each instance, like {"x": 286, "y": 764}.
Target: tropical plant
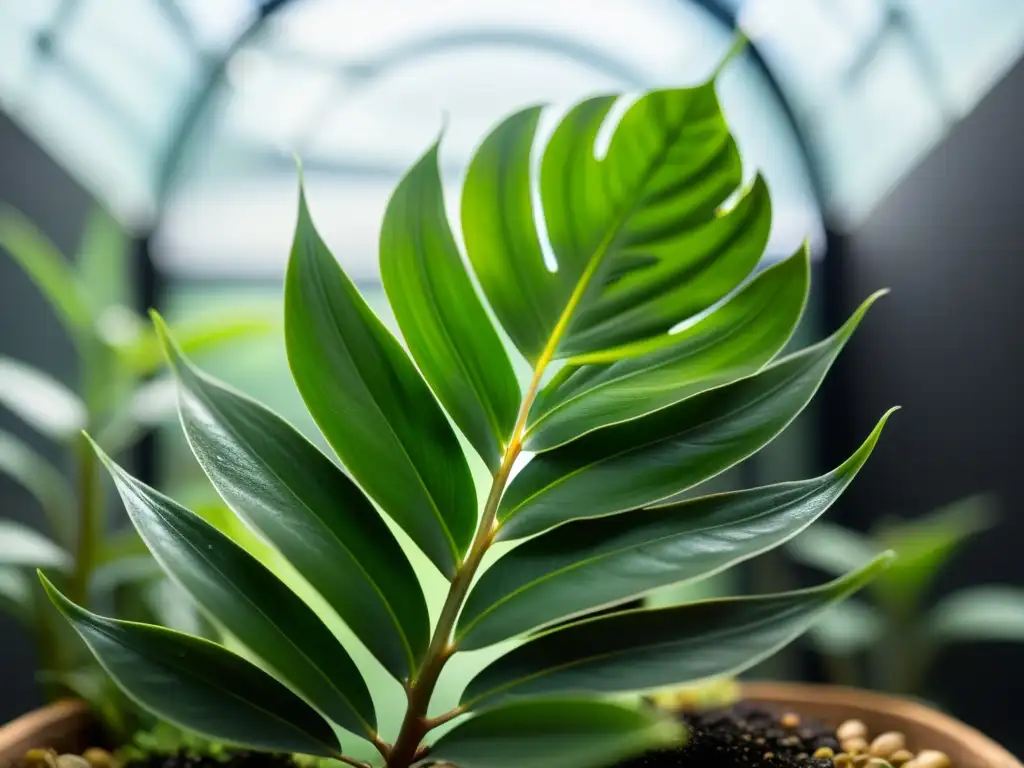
{"x": 891, "y": 640}
{"x": 619, "y": 416}
{"x": 118, "y": 401}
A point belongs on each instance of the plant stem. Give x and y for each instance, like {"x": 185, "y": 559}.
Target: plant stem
{"x": 89, "y": 521}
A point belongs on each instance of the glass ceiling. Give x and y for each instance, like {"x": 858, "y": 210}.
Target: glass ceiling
{"x": 185, "y": 114}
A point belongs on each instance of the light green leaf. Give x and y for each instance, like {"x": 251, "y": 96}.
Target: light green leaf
{"x": 48, "y": 486}
{"x": 732, "y": 342}
{"x": 301, "y": 502}
{"x": 25, "y": 547}
{"x": 646, "y": 649}
{"x": 101, "y": 260}
{"x": 200, "y": 686}
{"x": 448, "y": 332}
{"x": 989, "y": 613}
{"x": 589, "y": 564}
{"x": 832, "y": 548}
{"x": 563, "y": 732}
{"x": 639, "y": 462}
{"x": 40, "y": 400}
{"x": 847, "y": 628}
{"x": 41, "y": 260}
{"x": 16, "y": 596}
{"x": 372, "y": 405}
{"x": 249, "y": 601}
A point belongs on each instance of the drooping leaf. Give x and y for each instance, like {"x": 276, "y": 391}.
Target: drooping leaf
{"x": 644, "y": 649}
{"x": 987, "y": 613}
{"x": 48, "y": 486}
{"x": 25, "y": 547}
{"x": 40, "y": 400}
{"x": 41, "y": 260}
{"x": 249, "y": 601}
{"x": 589, "y": 564}
{"x": 448, "y": 332}
{"x": 733, "y": 341}
{"x": 563, "y": 732}
{"x": 199, "y": 685}
{"x": 281, "y": 484}
{"x": 372, "y": 405}
{"x": 639, "y": 462}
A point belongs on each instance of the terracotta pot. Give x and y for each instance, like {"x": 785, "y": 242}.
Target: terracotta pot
{"x": 68, "y": 726}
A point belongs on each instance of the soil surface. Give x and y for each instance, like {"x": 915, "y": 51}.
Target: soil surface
{"x": 236, "y": 760}
{"x": 744, "y": 736}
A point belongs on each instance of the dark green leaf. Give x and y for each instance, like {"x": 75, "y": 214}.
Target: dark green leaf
{"x": 639, "y": 462}
{"x": 563, "y": 732}
{"x": 43, "y": 481}
{"x": 25, "y": 547}
{"x": 449, "y": 334}
{"x": 644, "y": 649}
{"x": 40, "y": 401}
{"x": 989, "y": 613}
{"x": 280, "y": 483}
{"x": 372, "y": 405}
{"x": 588, "y": 564}
{"x": 250, "y": 602}
{"x": 623, "y": 383}
{"x": 198, "y": 685}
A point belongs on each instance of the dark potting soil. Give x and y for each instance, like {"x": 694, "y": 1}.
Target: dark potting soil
{"x": 234, "y": 760}
{"x": 743, "y": 736}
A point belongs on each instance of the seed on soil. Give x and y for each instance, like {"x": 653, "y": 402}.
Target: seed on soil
{"x": 861, "y": 760}
{"x": 72, "y": 761}
{"x": 99, "y": 758}
{"x": 888, "y": 743}
{"x": 929, "y": 758}
{"x": 824, "y": 752}
{"x": 851, "y": 729}
{"x": 789, "y": 720}
{"x": 842, "y": 760}
{"x": 878, "y": 762}
{"x": 901, "y": 756}
{"x": 41, "y": 758}
{"x": 855, "y": 745}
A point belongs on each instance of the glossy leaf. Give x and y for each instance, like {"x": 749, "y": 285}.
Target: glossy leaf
{"x": 47, "y": 486}
{"x": 988, "y": 613}
{"x": 644, "y": 649}
{"x": 40, "y": 400}
{"x": 249, "y": 601}
{"x": 287, "y": 489}
{"x": 563, "y": 732}
{"x": 372, "y": 405}
{"x": 639, "y": 462}
{"x": 589, "y": 564}
{"x": 198, "y": 685}
{"x": 620, "y": 384}
{"x": 448, "y": 332}
{"x": 25, "y": 547}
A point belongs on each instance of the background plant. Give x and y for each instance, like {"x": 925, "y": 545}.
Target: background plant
{"x": 618, "y": 417}
{"x": 890, "y": 640}
{"x": 118, "y": 399}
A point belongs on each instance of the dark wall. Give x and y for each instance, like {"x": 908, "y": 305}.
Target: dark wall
{"x": 32, "y": 182}
{"x": 948, "y": 345}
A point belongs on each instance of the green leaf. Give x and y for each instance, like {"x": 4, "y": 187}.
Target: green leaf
{"x": 448, "y": 332}
{"x": 639, "y": 462}
{"x": 101, "y": 260}
{"x": 41, "y": 260}
{"x": 286, "y": 488}
{"x": 25, "y": 547}
{"x": 198, "y": 685}
{"x": 563, "y": 732}
{"x": 847, "y": 628}
{"x": 249, "y": 601}
{"x": 16, "y": 596}
{"x": 645, "y": 649}
{"x": 48, "y": 486}
{"x": 372, "y": 405}
{"x": 624, "y": 383}
{"x": 989, "y": 613}
{"x": 833, "y": 549}
{"x": 637, "y": 236}
{"x": 589, "y": 564}
{"x": 40, "y": 400}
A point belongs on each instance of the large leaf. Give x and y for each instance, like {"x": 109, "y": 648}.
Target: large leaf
{"x": 623, "y": 383}
{"x": 48, "y": 269}
{"x": 40, "y": 400}
{"x": 588, "y": 564}
{"x": 449, "y": 334}
{"x": 563, "y": 732}
{"x": 25, "y": 547}
{"x": 287, "y": 489}
{"x": 637, "y": 236}
{"x": 372, "y": 405}
{"x": 988, "y": 613}
{"x": 43, "y": 481}
{"x": 199, "y": 685}
{"x": 250, "y": 602}
{"x": 629, "y": 465}
{"x": 645, "y": 649}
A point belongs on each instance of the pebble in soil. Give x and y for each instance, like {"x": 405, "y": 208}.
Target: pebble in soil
{"x": 746, "y": 736}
